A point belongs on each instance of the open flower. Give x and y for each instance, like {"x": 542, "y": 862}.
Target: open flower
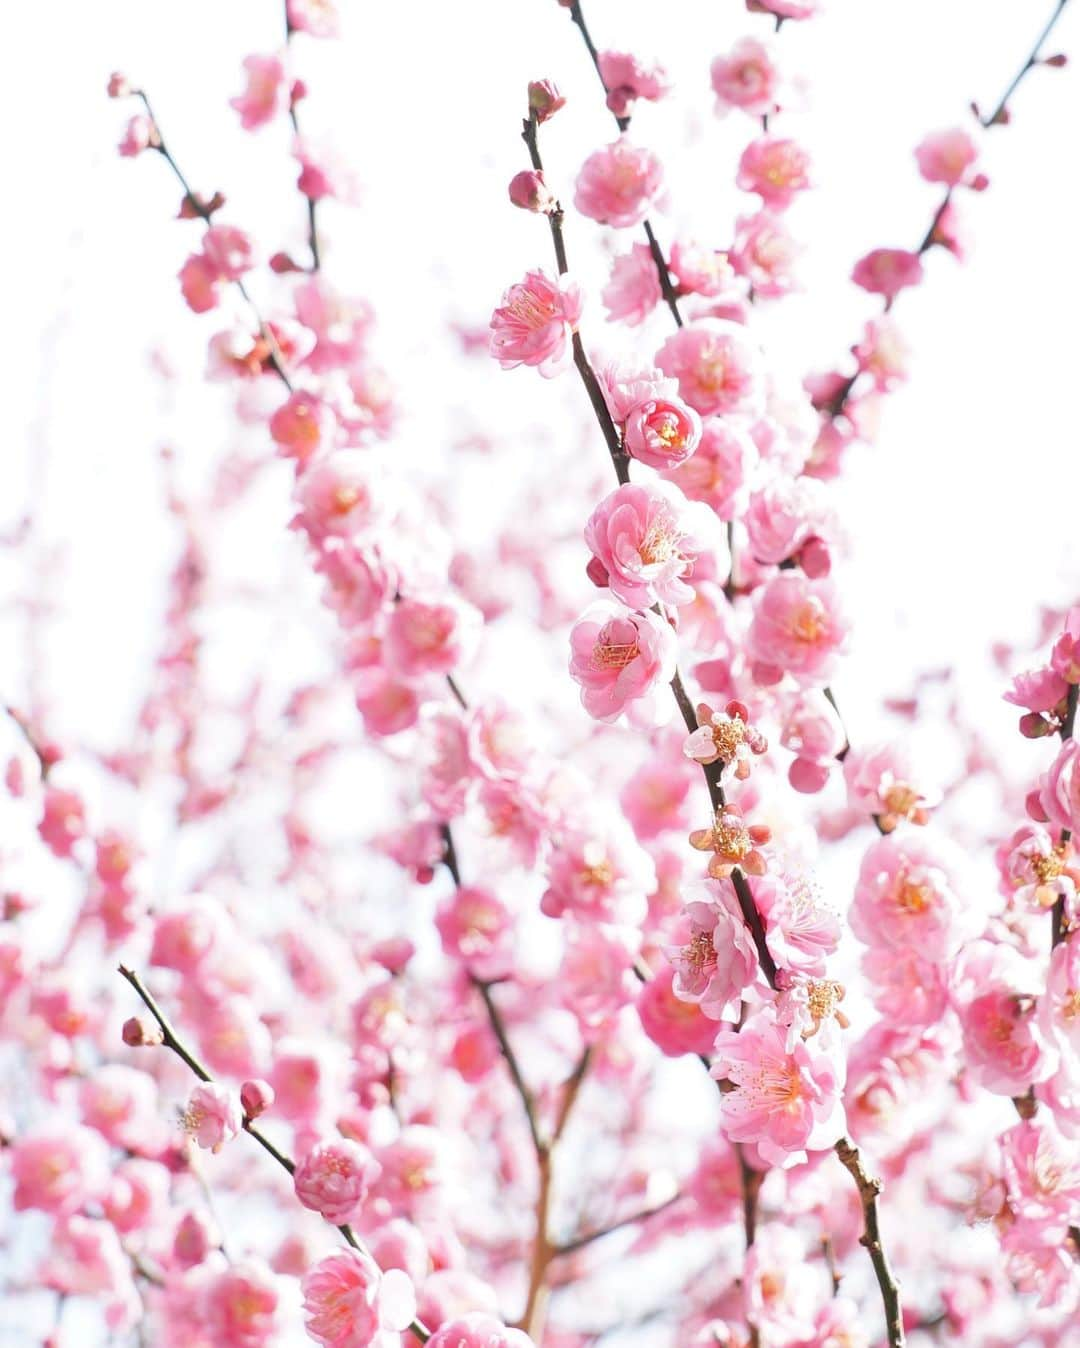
{"x": 535, "y": 322}
{"x": 733, "y": 843}
{"x": 618, "y": 657}
{"x": 725, "y": 737}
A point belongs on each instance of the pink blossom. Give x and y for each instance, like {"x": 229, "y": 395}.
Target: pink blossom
{"x": 1059, "y": 1007}
{"x": 883, "y": 782}
{"x": 1004, "y": 1048}
{"x": 784, "y": 1103}
{"x": 776, "y": 168}
{"x": 780, "y": 1286}
{"x": 627, "y": 384}
{"x": 633, "y": 291}
{"x": 241, "y": 1306}
{"x": 544, "y": 100}
{"x": 478, "y": 1330}
{"x": 318, "y": 17}
{"x": 325, "y": 172}
{"x": 725, "y": 737}
{"x": 675, "y": 1025}
{"x": 264, "y": 94}
{"x": 906, "y": 897}
{"x": 764, "y": 252}
{"x": 186, "y": 935}
{"x": 535, "y": 322}
{"x": 813, "y": 731}
{"x": 349, "y": 1303}
{"x": 340, "y": 324}
{"x": 412, "y": 1171}
{"x": 303, "y": 426}
{"x": 120, "y": 1103}
{"x": 717, "y": 961}
{"x": 594, "y": 977}
{"x": 200, "y": 284}
{"x": 785, "y": 9}
{"x": 747, "y": 78}
{"x": 946, "y": 156}
{"x": 63, "y": 820}
{"x": 887, "y": 271}
{"x": 529, "y": 191}
{"x": 717, "y": 366}
{"x": 784, "y": 514}
{"x": 627, "y": 78}
{"x": 719, "y": 467}
{"x": 213, "y": 1115}
{"x": 907, "y": 988}
{"x": 1035, "y": 869}
{"x": 1037, "y": 689}
{"x": 140, "y": 134}
{"x": 430, "y": 636}
{"x": 597, "y": 878}
{"x": 618, "y": 657}
{"x": 662, "y": 433}
{"x": 228, "y": 251}
{"x": 1059, "y": 789}
{"x": 338, "y": 495}
{"x": 654, "y": 798}
{"x": 1042, "y": 1173}
{"x": 85, "y": 1258}
{"x": 801, "y": 929}
{"x": 334, "y": 1177}
{"x": 1065, "y": 657}
{"x": 797, "y": 628}
{"x": 700, "y": 270}
{"x": 645, "y": 539}
{"x": 619, "y": 184}
{"x": 476, "y": 928}
{"x": 883, "y": 353}
{"x": 57, "y": 1168}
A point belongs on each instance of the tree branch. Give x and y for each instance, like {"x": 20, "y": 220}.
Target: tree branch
{"x": 869, "y": 1189}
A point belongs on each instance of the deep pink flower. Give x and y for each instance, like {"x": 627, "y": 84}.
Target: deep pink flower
{"x": 887, "y": 271}
{"x": 946, "y": 156}
{"x": 619, "y": 184}
{"x": 717, "y": 366}
{"x": 303, "y": 426}
{"x": 544, "y": 100}
{"x": 1004, "y": 1047}
{"x": 717, "y": 470}
{"x": 645, "y": 539}
{"x": 662, "y": 433}
{"x": 673, "y": 1023}
{"x": 1059, "y": 789}
{"x": 265, "y": 93}
{"x": 241, "y": 1306}
{"x": 776, "y": 168}
{"x": 334, "y": 1177}
{"x": 784, "y": 1103}
{"x": 535, "y": 322}
{"x": 618, "y": 657}
{"x": 63, "y": 820}
{"x": 529, "y": 191}
{"x": 797, "y": 629}
{"x": 747, "y": 78}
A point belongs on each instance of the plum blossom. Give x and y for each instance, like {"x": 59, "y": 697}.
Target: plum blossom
{"x": 717, "y": 366}
{"x": 264, "y": 94}
{"x": 478, "y": 1330}
{"x": 883, "y": 782}
{"x": 776, "y": 168}
{"x": 784, "y": 1103}
{"x": 1059, "y": 792}
{"x": 627, "y": 78}
{"x": 619, "y": 184}
{"x": 661, "y": 432}
{"x": 241, "y": 1306}
{"x": 349, "y": 1303}
{"x": 645, "y": 539}
{"x": 947, "y": 156}
{"x": 212, "y": 1116}
{"x": 334, "y": 1177}
{"x": 1004, "y": 1047}
{"x": 633, "y": 291}
{"x": 725, "y": 737}
{"x": 797, "y": 628}
{"x": 717, "y": 961}
{"x": 617, "y": 657}
{"x": 801, "y": 929}
{"x": 535, "y": 322}
{"x": 430, "y": 636}
{"x": 719, "y": 468}
{"x": 674, "y": 1024}
{"x": 906, "y": 896}
{"x": 764, "y": 251}
{"x": 597, "y": 877}
{"x": 747, "y": 77}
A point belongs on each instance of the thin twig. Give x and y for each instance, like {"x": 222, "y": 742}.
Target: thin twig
{"x": 869, "y": 1188}
{"x": 313, "y": 229}
{"x": 590, "y": 1237}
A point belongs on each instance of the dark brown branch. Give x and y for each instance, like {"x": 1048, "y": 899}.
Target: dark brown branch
{"x": 499, "y": 1028}
{"x": 869, "y": 1189}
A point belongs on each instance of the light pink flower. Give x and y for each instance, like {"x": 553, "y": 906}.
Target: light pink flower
{"x": 626, "y": 385}
{"x": 338, "y": 494}
{"x": 883, "y": 353}
{"x": 121, "y": 1103}
{"x": 662, "y": 433}
{"x": 780, "y": 1286}
{"x": 334, "y": 1177}
{"x": 946, "y": 156}
{"x": 619, "y": 184}
{"x": 340, "y": 324}
{"x": 325, "y": 172}
{"x": 317, "y": 17}
{"x": 776, "y": 168}
{"x": 1059, "y": 789}
{"x": 63, "y": 820}
{"x": 784, "y": 514}
{"x": 725, "y": 737}
{"x": 430, "y": 636}
{"x": 633, "y": 291}
{"x": 241, "y": 1306}
{"x": 627, "y": 78}
{"x": 784, "y": 1103}
{"x": 645, "y": 539}
{"x": 764, "y": 251}
{"x": 1004, "y": 1047}
{"x": 57, "y": 1168}
{"x": 1041, "y": 1170}
{"x": 1035, "y": 869}
{"x": 187, "y": 934}
{"x": 717, "y": 961}
{"x": 476, "y": 927}
{"x": 594, "y": 977}
{"x": 140, "y": 134}
{"x": 906, "y": 896}
{"x": 797, "y": 628}
{"x": 700, "y": 270}
{"x": 478, "y": 1330}
{"x": 906, "y": 988}
{"x": 718, "y": 468}
{"x": 1065, "y": 657}
{"x": 1037, "y": 689}
{"x": 597, "y": 878}
{"x": 349, "y": 1303}
{"x": 884, "y": 782}
{"x": 303, "y": 426}
{"x": 535, "y": 322}
{"x": 887, "y": 271}
{"x": 1059, "y": 1007}
{"x": 618, "y": 657}
{"x": 801, "y": 929}
{"x": 654, "y": 798}
{"x": 264, "y": 94}
{"x": 747, "y": 78}
{"x": 717, "y": 366}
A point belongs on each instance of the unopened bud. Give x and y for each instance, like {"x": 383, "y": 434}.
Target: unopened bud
{"x": 281, "y": 264}
{"x": 1058, "y": 60}
{"x": 544, "y": 99}
{"x": 1033, "y": 726}
{"x": 137, "y": 1034}
{"x": 814, "y": 558}
{"x": 529, "y": 191}
{"x": 118, "y": 86}
{"x": 256, "y": 1097}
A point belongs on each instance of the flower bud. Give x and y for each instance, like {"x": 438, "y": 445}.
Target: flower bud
{"x": 256, "y": 1097}
{"x": 137, "y": 1034}
{"x": 529, "y": 191}
{"x": 544, "y": 99}
{"x": 1034, "y": 726}
{"x": 118, "y": 86}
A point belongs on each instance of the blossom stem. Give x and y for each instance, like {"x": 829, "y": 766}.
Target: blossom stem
{"x": 313, "y": 229}
{"x": 171, "y": 1040}
{"x": 838, "y": 403}
{"x": 667, "y": 287}
{"x": 590, "y": 1237}
{"x": 869, "y": 1189}
{"x": 203, "y": 211}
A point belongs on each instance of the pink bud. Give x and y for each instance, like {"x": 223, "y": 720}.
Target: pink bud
{"x": 256, "y": 1097}
{"x": 118, "y": 85}
{"x": 544, "y": 99}
{"x": 1033, "y": 726}
{"x": 137, "y": 1034}
{"x": 529, "y": 191}
{"x": 814, "y": 558}
{"x": 1058, "y": 60}
{"x": 193, "y": 1241}
{"x": 281, "y": 263}
{"x": 808, "y": 776}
